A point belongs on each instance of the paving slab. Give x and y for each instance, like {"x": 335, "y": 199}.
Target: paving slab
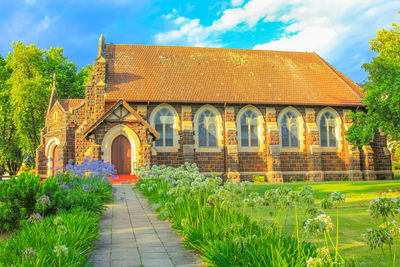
{"x": 131, "y": 235}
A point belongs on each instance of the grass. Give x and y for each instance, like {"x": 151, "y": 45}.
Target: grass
{"x": 396, "y": 174}
{"x": 4, "y": 236}
{"x": 353, "y": 217}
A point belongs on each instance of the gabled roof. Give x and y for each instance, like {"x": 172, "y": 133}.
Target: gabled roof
{"x": 145, "y": 73}
{"x": 123, "y": 103}
{"x": 68, "y": 104}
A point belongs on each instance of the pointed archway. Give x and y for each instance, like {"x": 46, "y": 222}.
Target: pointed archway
{"x": 121, "y": 155}
{"x": 121, "y": 141}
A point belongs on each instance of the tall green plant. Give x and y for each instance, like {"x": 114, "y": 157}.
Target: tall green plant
{"x": 61, "y": 240}
{"x": 213, "y": 219}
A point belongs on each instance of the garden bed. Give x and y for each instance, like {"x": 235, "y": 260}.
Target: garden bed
{"x": 204, "y": 212}
{"x": 293, "y": 224}
{"x": 54, "y": 222}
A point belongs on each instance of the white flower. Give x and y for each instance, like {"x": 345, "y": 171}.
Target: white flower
{"x": 245, "y": 184}
{"x": 323, "y": 252}
{"x": 338, "y": 197}
{"x": 314, "y": 262}
{"x": 61, "y": 250}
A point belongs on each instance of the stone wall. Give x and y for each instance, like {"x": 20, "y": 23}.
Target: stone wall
{"x": 309, "y": 161}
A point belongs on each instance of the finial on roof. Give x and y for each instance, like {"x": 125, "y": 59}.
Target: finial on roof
{"x": 102, "y": 44}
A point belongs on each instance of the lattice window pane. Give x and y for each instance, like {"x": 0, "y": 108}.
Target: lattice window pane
{"x": 159, "y": 141}
{"x": 294, "y": 135}
{"x": 285, "y": 136}
{"x": 254, "y": 137}
{"x": 202, "y": 135}
{"x": 324, "y": 137}
{"x": 212, "y": 135}
{"x": 169, "y": 135}
{"x": 245, "y": 135}
{"x": 332, "y": 136}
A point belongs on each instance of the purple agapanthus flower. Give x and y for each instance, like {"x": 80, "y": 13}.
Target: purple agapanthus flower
{"x": 65, "y": 187}
{"x": 35, "y": 218}
{"x": 91, "y": 168}
{"x": 122, "y": 198}
{"x": 115, "y": 190}
{"x": 86, "y": 188}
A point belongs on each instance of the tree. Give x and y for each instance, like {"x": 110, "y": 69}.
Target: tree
{"x": 29, "y": 86}
{"x": 30, "y": 91}
{"x": 69, "y": 82}
{"x": 10, "y": 153}
{"x": 382, "y": 91}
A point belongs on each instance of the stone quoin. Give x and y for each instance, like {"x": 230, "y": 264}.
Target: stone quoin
{"x": 234, "y": 112}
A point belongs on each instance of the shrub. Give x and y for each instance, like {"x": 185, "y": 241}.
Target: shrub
{"x": 60, "y": 240}
{"x": 258, "y": 178}
{"x": 58, "y": 198}
{"x": 396, "y": 165}
{"x": 85, "y": 193}
{"x": 17, "y": 199}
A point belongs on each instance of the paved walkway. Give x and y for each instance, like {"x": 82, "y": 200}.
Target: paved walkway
{"x": 131, "y": 235}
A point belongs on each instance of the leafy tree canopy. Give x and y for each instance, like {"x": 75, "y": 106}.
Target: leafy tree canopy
{"x": 25, "y": 88}
{"x": 382, "y": 91}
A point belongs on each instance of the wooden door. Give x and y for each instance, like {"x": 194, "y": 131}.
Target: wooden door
{"x": 55, "y": 159}
{"x": 121, "y": 155}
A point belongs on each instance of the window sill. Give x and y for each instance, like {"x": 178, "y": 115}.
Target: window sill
{"x": 208, "y": 149}
{"x": 166, "y": 149}
{"x": 249, "y": 149}
{"x": 329, "y": 149}
{"x": 291, "y": 149}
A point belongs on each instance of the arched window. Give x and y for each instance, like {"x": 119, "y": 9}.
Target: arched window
{"x": 289, "y": 130}
{"x": 208, "y": 126}
{"x": 327, "y": 130}
{"x": 248, "y": 129}
{"x": 164, "y": 124}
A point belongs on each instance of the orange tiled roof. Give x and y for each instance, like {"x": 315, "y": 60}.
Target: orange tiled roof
{"x": 215, "y": 75}
{"x": 67, "y": 104}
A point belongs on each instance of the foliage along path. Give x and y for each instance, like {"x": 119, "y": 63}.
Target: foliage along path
{"x": 131, "y": 235}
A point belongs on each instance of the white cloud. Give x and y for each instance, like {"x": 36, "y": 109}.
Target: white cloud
{"x": 320, "y": 26}
{"x": 328, "y": 26}
{"x": 248, "y": 15}
{"x": 237, "y": 2}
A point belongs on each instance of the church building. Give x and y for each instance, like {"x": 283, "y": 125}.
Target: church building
{"x": 234, "y": 112}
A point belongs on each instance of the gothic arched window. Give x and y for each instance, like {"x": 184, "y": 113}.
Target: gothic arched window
{"x": 207, "y": 127}
{"x": 248, "y": 129}
{"x": 164, "y": 124}
{"x": 327, "y": 130}
{"x": 289, "y": 130}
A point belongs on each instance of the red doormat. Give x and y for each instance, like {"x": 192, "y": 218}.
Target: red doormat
{"x": 124, "y": 179}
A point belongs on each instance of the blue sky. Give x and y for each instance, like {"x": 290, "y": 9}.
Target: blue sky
{"x": 338, "y": 30}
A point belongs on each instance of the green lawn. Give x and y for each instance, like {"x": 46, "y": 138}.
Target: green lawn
{"x": 353, "y": 217}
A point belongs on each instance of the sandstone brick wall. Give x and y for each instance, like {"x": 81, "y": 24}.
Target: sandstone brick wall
{"x": 333, "y": 161}
{"x": 309, "y": 162}
{"x": 252, "y": 162}
{"x": 294, "y": 161}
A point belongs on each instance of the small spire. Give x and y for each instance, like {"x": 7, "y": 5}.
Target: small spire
{"x": 102, "y": 43}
